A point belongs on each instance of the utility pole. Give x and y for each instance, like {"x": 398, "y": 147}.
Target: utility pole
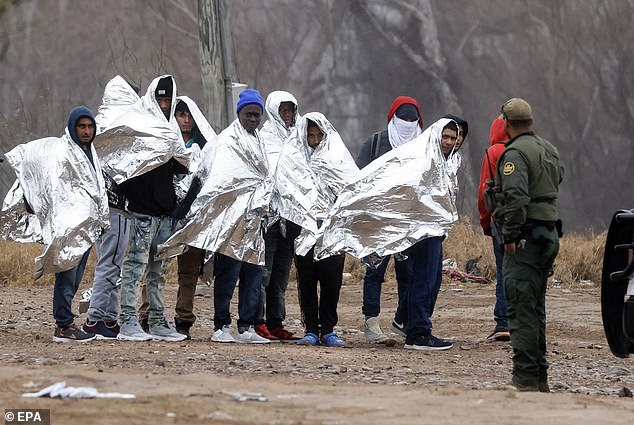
{"x": 215, "y": 61}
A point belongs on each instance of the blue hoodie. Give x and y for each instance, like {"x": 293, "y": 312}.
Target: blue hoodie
{"x": 73, "y": 117}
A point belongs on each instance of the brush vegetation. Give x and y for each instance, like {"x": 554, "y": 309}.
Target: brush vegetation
{"x": 579, "y": 260}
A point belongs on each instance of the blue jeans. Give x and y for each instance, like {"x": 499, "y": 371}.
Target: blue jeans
{"x": 373, "y": 280}
{"x": 66, "y": 286}
{"x": 499, "y": 312}
{"x": 145, "y": 235}
{"x": 426, "y": 257}
{"x": 279, "y": 250}
{"x": 111, "y": 249}
{"x": 227, "y": 271}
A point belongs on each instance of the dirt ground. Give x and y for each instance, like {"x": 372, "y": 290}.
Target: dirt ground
{"x": 198, "y": 381}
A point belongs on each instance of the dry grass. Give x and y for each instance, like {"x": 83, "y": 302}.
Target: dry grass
{"x": 580, "y": 258}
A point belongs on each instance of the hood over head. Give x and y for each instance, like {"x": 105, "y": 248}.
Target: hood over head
{"x": 74, "y": 116}
{"x": 461, "y": 122}
{"x": 401, "y": 100}
{"x": 497, "y": 134}
{"x": 273, "y": 102}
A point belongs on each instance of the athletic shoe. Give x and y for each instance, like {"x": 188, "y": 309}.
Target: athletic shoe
{"x": 332, "y": 340}
{"x": 114, "y": 326}
{"x": 183, "y": 328}
{"x": 250, "y": 336}
{"x": 283, "y": 334}
{"x": 223, "y": 335}
{"x": 263, "y": 331}
{"x": 309, "y": 339}
{"x": 163, "y": 331}
{"x": 132, "y": 331}
{"x": 72, "y": 333}
{"x": 429, "y": 342}
{"x": 398, "y": 328}
{"x": 501, "y": 333}
{"x": 101, "y": 329}
{"x": 374, "y": 334}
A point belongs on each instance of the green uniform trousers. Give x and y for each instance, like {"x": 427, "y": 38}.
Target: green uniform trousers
{"x": 525, "y": 280}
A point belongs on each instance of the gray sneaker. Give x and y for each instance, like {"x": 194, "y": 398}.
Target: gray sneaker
{"x": 163, "y": 331}
{"x": 374, "y": 334}
{"x": 132, "y": 331}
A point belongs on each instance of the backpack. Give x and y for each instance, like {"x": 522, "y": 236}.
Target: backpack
{"x": 490, "y": 194}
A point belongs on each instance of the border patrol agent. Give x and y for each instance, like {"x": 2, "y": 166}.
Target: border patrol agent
{"x": 528, "y": 176}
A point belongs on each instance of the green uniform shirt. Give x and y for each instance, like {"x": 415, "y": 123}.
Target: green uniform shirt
{"x": 529, "y": 175}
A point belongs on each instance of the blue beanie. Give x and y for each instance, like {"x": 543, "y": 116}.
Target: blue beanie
{"x": 249, "y": 97}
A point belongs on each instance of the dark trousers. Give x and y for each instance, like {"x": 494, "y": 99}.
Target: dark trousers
{"x": 189, "y": 266}
{"x": 227, "y": 271}
{"x": 319, "y": 313}
{"x": 279, "y": 250}
{"x": 525, "y": 278}
{"x": 373, "y": 281}
{"x": 66, "y": 286}
{"x": 426, "y": 257}
{"x": 500, "y": 311}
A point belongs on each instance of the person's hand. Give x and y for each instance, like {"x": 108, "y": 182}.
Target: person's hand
{"x": 510, "y": 248}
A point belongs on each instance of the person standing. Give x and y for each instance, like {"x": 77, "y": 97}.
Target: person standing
{"x": 528, "y": 178}
{"x": 279, "y": 238}
{"x": 329, "y": 166}
{"x": 491, "y": 228}
{"x": 228, "y": 269}
{"x": 191, "y": 261}
{"x": 151, "y": 200}
{"x": 405, "y": 123}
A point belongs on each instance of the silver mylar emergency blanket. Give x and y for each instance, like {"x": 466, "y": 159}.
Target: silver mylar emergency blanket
{"x": 67, "y": 195}
{"x": 182, "y": 183}
{"x": 307, "y": 181}
{"x": 227, "y": 216}
{"x": 274, "y": 132}
{"x": 133, "y": 136}
{"x": 395, "y": 201}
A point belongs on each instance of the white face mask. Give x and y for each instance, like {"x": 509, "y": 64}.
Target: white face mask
{"x": 400, "y": 131}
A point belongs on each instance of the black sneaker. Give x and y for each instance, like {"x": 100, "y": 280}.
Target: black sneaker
{"x": 398, "y": 328}
{"x": 183, "y": 327}
{"x": 101, "y": 329}
{"x": 501, "y": 334}
{"x": 72, "y": 333}
{"x": 429, "y": 342}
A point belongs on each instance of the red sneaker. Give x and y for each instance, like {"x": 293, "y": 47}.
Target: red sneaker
{"x": 264, "y": 332}
{"x": 284, "y": 335}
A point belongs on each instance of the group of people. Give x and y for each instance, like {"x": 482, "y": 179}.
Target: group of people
{"x": 254, "y": 201}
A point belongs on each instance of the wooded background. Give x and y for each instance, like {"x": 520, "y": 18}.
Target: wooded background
{"x": 572, "y": 60}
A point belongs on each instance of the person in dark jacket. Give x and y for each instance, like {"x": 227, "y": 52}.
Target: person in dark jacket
{"x": 151, "y": 201}
{"x": 405, "y": 123}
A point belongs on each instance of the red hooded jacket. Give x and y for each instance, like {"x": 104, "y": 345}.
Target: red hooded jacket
{"x": 402, "y": 100}
{"x": 497, "y": 138}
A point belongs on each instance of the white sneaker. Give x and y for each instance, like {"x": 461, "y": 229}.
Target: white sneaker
{"x": 374, "y": 334}
{"x": 132, "y": 331}
{"x": 223, "y": 335}
{"x": 251, "y": 337}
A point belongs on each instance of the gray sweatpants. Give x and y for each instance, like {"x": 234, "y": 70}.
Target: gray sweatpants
{"x": 111, "y": 250}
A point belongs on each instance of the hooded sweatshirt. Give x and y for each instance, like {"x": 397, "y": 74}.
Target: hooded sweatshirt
{"x": 497, "y": 138}
{"x": 368, "y": 153}
{"x": 73, "y": 117}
